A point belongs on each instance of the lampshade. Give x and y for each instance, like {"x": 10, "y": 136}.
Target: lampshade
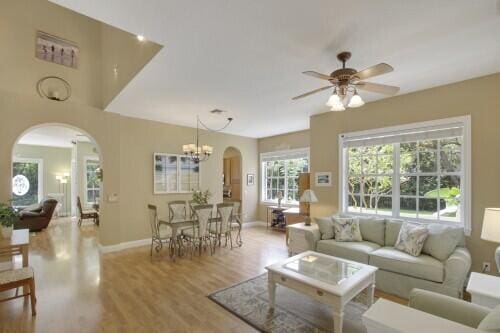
{"x": 491, "y": 225}
{"x": 356, "y": 101}
{"x": 308, "y": 196}
{"x": 338, "y": 107}
{"x": 334, "y": 99}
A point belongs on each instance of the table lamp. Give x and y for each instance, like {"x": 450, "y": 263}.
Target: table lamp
{"x": 308, "y": 197}
{"x": 491, "y": 230}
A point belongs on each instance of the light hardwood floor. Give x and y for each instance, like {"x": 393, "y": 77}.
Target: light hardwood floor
{"x": 80, "y": 291}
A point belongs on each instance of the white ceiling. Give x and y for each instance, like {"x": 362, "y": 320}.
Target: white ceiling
{"x": 246, "y": 56}
{"x": 52, "y": 136}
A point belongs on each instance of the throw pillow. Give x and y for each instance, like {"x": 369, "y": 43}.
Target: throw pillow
{"x": 442, "y": 241}
{"x": 411, "y": 238}
{"x": 372, "y": 228}
{"x": 392, "y": 228}
{"x": 325, "y": 225}
{"x": 491, "y": 323}
{"x": 347, "y": 229}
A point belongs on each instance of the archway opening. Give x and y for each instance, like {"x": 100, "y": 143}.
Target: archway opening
{"x": 56, "y": 165}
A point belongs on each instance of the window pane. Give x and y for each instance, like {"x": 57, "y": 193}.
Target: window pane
{"x": 450, "y": 194}
{"x": 293, "y": 183}
{"x": 354, "y": 204}
{"x": 384, "y": 164}
{"x": 450, "y": 160}
{"x": 24, "y": 183}
{"x": 281, "y": 184}
{"x": 369, "y": 164}
{"x": 408, "y": 207}
{"x": 427, "y": 186}
{"x": 451, "y": 144}
{"x": 355, "y": 166}
{"x": 384, "y": 206}
{"x": 408, "y": 185}
{"x": 428, "y": 161}
{"x": 384, "y": 185}
{"x": 428, "y": 208}
{"x": 427, "y": 145}
{"x": 408, "y": 162}
{"x": 368, "y": 204}
{"x": 369, "y": 185}
{"x": 274, "y": 183}
{"x": 354, "y": 185}
{"x": 408, "y": 147}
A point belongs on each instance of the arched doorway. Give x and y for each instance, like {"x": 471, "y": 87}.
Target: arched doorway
{"x": 56, "y": 161}
{"x": 232, "y": 175}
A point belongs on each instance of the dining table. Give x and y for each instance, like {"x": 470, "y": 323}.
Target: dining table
{"x": 17, "y": 244}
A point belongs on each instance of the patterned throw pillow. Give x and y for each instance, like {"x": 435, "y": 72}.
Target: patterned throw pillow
{"x": 347, "y": 229}
{"x": 411, "y": 238}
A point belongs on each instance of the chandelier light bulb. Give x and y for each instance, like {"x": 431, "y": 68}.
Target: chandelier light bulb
{"x": 338, "y": 107}
{"x": 356, "y": 101}
{"x": 334, "y": 99}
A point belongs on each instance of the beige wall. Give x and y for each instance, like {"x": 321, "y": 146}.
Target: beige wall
{"x": 477, "y": 97}
{"x": 56, "y": 161}
{"x": 101, "y": 47}
{"x": 293, "y": 140}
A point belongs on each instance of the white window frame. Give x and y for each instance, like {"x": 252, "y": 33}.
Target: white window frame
{"x": 465, "y": 172}
{"x": 92, "y": 158}
{"x": 41, "y": 173}
{"x": 281, "y": 155}
{"x": 178, "y": 191}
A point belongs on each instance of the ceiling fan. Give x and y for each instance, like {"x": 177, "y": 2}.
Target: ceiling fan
{"x": 346, "y": 82}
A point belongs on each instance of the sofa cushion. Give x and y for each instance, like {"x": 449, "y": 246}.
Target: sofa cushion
{"x": 442, "y": 240}
{"x": 491, "y": 323}
{"x": 325, "y": 225}
{"x": 422, "y": 267}
{"x": 373, "y": 229}
{"x": 392, "y": 227}
{"x": 411, "y": 238}
{"x": 347, "y": 229}
{"x": 357, "y": 251}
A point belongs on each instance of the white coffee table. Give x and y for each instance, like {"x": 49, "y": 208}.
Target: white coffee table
{"x": 330, "y": 280}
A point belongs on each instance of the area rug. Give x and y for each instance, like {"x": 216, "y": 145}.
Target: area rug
{"x": 294, "y": 312}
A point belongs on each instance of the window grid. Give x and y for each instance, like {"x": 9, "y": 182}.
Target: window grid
{"x": 397, "y": 174}
{"x": 285, "y": 183}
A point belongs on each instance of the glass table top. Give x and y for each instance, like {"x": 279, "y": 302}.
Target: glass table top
{"x": 329, "y": 270}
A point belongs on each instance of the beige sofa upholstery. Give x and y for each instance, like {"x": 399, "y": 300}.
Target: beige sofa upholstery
{"x": 398, "y": 271}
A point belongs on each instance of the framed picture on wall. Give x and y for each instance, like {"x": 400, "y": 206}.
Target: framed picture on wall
{"x": 57, "y": 50}
{"x": 323, "y": 178}
{"x": 250, "y": 179}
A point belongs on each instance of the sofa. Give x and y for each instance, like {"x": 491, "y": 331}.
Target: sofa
{"x": 434, "y": 269}
{"x": 36, "y": 217}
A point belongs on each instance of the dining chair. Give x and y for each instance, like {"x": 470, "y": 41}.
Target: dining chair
{"x": 222, "y": 225}
{"x": 86, "y": 214}
{"x": 198, "y": 236}
{"x": 177, "y": 210}
{"x": 16, "y": 278}
{"x": 236, "y": 222}
{"x": 160, "y": 233}
{"x": 192, "y": 204}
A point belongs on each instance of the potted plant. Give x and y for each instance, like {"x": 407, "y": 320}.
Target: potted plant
{"x": 8, "y": 216}
{"x": 201, "y": 198}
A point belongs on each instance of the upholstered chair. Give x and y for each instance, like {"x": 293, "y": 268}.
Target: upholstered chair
{"x": 36, "y": 218}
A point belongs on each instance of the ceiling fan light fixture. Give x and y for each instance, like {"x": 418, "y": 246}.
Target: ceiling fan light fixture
{"x": 338, "y": 107}
{"x": 356, "y": 101}
{"x": 334, "y": 99}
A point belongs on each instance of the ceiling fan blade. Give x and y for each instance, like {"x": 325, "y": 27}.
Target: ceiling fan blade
{"x": 318, "y": 75}
{"x": 377, "y": 88}
{"x": 311, "y": 92}
{"x": 373, "y": 71}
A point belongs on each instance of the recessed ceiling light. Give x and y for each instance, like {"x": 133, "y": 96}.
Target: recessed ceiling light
{"x": 141, "y": 38}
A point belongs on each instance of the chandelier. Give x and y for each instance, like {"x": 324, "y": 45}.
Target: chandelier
{"x": 200, "y": 153}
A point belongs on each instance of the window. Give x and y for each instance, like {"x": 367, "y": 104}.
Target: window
{"x": 175, "y": 174}
{"x": 417, "y": 172}
{"x": 27, "y": 181}
{"x": 92, "y": 185}
{"x": 280, "y": 174}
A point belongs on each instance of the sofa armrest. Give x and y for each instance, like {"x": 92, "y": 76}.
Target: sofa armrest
{"x": 28, "y": 213}
{"x": 456, "y": 268}
{"x": 447, "y": 307}
{"x": 312, "y": 236}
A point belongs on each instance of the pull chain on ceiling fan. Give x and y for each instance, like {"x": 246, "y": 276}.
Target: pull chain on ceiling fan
{"x": 347, "y": 81}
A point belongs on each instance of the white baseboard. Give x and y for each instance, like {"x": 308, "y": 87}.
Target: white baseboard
{"x": 253, "y": 224}
{"x": 124, "y": 246}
